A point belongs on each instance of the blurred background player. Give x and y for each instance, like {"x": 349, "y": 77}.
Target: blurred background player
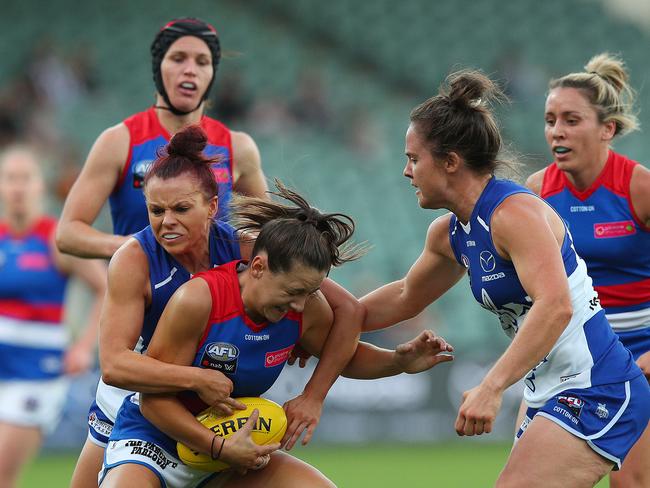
{"x": 185, "y": 56}
{"x": 275, "y": 296}
{"x": 605, "y": 199}
{"x": 35, "y": 351}
{"x": 588, "y": 401}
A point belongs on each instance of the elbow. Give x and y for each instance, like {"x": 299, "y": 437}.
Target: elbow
{"x": 61, "y": 239}
{"x": 111, "y": 375}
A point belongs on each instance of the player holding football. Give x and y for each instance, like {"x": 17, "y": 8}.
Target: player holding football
{"x": 275, "y": 296}
{"x": 605, "y": 199}
{"x": 36, "y": 357}
{"x": 185, "y": 55}
{"x": 588, "y": 401}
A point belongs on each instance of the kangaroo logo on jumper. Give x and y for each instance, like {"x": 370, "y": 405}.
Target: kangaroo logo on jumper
{"x": 510, "y": 315}
{"x": 602, "y": 411}
{"x": 220, "y": 356}
{"x": 488, "y": 263}
{"x": 139, "y": 170}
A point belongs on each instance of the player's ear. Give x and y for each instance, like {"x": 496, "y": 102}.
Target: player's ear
{"x": 213, "y": 207}
{"x": 453, "y": 162}
{"x": 258, "y": 265}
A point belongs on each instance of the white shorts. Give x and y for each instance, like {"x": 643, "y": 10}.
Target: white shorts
{"x": 33, "y": 403}
{"x": 170, "y": 470}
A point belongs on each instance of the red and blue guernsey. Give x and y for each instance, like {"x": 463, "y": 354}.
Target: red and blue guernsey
{"x": 611, "y": 238}
{"x": 166, "y": 275}
{"x": 32, "y": 291}
{"x": 588, "y": 353}
{"x": 127, "y": 202}
{"x": 251, "y": 355}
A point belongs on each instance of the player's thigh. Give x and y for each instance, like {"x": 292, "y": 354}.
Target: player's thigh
{"x": 130, "y": 475}
{"x": 283, "y": 471}
{"x": 635, "y": 470}
{"x": 548, "y": 456}
{"x": 17, "y": 445}
{"x": 88, "y": 466}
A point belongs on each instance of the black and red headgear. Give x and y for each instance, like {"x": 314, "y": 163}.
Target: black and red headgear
{"x": 187, "y": 26}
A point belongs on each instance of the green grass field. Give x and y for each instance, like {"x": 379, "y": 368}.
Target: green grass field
{"x": 454, "y": 465}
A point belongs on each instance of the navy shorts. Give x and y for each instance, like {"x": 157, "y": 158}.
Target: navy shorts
{"x": 611, "y": 418}
{"x": 99, "y": 426}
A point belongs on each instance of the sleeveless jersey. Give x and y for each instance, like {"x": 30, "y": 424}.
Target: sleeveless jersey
{"x": 251, "y": 355}
{"x": 166, "y": 275}
{"x": 611, "y": 238}
{"x": 148, "y": 136}
{"x": 587, "y": 353}
{"x": 32, "y": 292}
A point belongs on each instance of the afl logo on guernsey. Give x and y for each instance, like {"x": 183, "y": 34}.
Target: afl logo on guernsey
{"x": 220, "y": 356}
{"x": 139, "y": 171}
{"x": 488, "y": 262}
{"x": 465, "y": 260}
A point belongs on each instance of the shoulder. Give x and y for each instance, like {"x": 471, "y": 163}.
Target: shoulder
{"x": 640, "y": 193}
{"x": 243, "y": 145}
{"x": 111, "y": 146}
{"x": 437, "y": 240}
{"x": 130, "y": 256}
{"x": 194, "y": 294}
{"x": 534, "y": 182}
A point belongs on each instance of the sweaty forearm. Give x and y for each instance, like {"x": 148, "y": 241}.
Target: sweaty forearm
{"x": 538, "y": 334}
{"x": 137, "y": 372}
{"x": 82, "y": 240}
{"x": 371, "y": 362}
{"x": 385, "y": 307}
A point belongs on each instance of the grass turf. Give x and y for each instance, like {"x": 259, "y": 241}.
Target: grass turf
{"x": 453, "y": 465}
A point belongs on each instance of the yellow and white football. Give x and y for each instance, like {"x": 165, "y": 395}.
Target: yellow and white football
{"x": 269, "y": 428}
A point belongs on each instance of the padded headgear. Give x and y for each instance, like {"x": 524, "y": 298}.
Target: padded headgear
{"x": 187, "y": 26}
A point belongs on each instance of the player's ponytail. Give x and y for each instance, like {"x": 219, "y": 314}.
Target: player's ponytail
{"x": 295, "y": 232}
{"x": 184, "y": 155}
{"x": 605, "y": 83}
{"x": 459, "y": 119}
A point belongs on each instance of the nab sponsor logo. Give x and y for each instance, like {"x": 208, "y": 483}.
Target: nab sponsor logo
{"x": 488, "y": 263}
{"x": 221, "y": 356}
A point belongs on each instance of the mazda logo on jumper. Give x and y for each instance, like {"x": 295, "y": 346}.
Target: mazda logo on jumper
{"x": 487, "y": 261}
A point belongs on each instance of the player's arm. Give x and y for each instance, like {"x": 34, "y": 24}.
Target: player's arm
{"x": 101, "y": 171}
{"x": 640, "y": 193}
{"x": 534, "y": 182}
{"x": 248, "y": 177}
{"x": 369, "y": 361}
{"x": 640, "y": 196}
{"x": 120, "y": 328}
{"x": 527, "y": 232}
{"x": 434, "y": 272}
{"x": 80, "y": 355}
{"x": 175, "y": 341}
{"x": 339, "y": 346}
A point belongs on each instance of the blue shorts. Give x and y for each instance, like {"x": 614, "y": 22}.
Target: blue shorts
{"x": 637, "y": 341}
{"x": 611, "y": 418}
{"x": 99, "y": 426}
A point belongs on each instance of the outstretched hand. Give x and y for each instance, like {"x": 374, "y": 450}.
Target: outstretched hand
{"x": 242, "y": 453}
{"x": 423, "y": 353}
{"x": 303, "y": 413}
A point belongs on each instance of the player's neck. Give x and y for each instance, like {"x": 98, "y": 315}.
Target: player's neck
{"x": 20, "y": 223}
{"x": 173, "y": 123}
{"x": 584, "y": 175}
